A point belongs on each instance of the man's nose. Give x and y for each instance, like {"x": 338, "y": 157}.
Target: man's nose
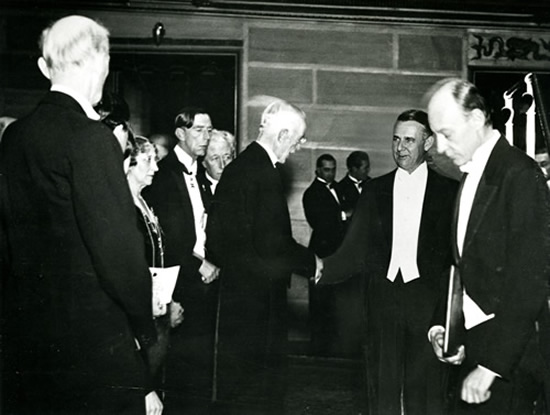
{"x": 441, "y": 145}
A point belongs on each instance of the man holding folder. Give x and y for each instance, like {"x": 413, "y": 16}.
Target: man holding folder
{"x": 501, "y": 257}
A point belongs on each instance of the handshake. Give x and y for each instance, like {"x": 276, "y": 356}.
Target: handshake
{"x": 319, "y": 265}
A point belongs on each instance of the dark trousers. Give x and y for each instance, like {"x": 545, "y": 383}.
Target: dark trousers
{"x": 401, "y": 364}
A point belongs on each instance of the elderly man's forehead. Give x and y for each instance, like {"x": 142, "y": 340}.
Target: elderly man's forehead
{"x": 218, "y": 145}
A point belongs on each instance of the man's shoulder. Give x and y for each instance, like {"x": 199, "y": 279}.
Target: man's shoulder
{"x": 441, "y": 180}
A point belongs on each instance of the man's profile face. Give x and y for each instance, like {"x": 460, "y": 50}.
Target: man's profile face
{"x": 292, "y": 139}
{"x": 409, "y": 145}
{"x": 218, "y": 155}
{"x": 456, "y": 136}
{"x": 543, "y": 160}
{"x": 327, "y": 170}
{"x": 195, "y": 138}
{"x": 360, "y": 172}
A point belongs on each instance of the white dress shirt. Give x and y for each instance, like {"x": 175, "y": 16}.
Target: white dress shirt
{"x": 213, "y": 182}
{"x": 199, "y": 213}
{"x": 473, "y": 315}
{"x": 331, "y": 189}
{"x": 408, "y": 198}
{"x": 356, "y": 182}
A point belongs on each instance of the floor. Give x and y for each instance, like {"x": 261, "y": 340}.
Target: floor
{"x": 323, "y": 386}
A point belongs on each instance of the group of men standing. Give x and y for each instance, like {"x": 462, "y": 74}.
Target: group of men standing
{"x": 77, "y": 312}
{"x": 328, "y": 206}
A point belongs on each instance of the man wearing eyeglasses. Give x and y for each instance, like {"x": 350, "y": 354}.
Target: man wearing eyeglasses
{"x": 250, "y": 235}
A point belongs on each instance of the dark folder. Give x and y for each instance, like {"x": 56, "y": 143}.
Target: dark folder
{"x": 454, "y": 317}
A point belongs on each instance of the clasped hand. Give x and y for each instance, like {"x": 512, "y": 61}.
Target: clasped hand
{"x": 209, "y": 272}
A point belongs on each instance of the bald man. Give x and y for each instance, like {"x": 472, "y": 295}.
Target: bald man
{"x": 501, "y": 244}
{"x": 249, "y": 231}
{"x": 78, "y": 296}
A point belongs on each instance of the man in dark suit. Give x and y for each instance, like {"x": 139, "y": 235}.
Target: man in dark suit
{"x": 78, "y": 295}
{"x": 501, "y": 253}
{"x": 349, "y": 188}
{"x": 219, "y": 154}
{"x": 399, "y": 238}
{"x": 326, "y": 219}
{"x": 249, "y": 232}
{"x": 175, "y": 195}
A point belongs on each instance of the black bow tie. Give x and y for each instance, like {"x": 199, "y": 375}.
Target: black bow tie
{"x": 330, "y": 185}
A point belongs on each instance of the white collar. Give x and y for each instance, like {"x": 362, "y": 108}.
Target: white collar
{"x": 481, "y": 155}
{"x": 185, "y": 159}
{"x": 354, "y": 180}
{"x": 210, "y": 178}
{"x": 274, "y": 159}
{"x": 418, "y": 174}
{"x": 78, "y": 97}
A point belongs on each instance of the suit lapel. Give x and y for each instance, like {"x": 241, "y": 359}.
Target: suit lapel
{"x": 429, "y": 212}
{"x": 385, "y": 208}
{"x": 485, "y": 193}
{"x": 177, "y": 170}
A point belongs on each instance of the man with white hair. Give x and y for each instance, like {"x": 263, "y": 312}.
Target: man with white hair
{"x": 249, "y": 232}
{"x": 219, "y": 154}
{"x": 78, "y": 296}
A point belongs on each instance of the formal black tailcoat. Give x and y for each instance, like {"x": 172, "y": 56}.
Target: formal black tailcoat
{"x": 249, "y": 232}
{"x": 399, "y": 315}
{"x": 324, "y": 215}
{"x": 348, "y": 193}
{"x": 189, "y": 361}
{"x": 78, "y": 290}
{"x": 505, "y": 269}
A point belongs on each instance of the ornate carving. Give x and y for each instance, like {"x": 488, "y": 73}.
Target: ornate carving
{"x": 511, "y": 48}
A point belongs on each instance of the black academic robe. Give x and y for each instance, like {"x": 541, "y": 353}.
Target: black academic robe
{"x": 249, "y": 232}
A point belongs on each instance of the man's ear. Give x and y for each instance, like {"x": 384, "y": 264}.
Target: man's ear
{"x": 477, "y": 117}
{"x": 283, "y": 134}
{"x": 428, "y": 142}
{"x": 43, "y": 66}
{"x": 180, "y": 133}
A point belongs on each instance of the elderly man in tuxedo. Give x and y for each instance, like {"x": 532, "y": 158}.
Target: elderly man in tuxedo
{"x": 249, "y": 231}
{"x": 399, "y": 239}
{"x": 78, "y": 293}
{"x": 219, "y": 154}
{"x": 501, "y": 244}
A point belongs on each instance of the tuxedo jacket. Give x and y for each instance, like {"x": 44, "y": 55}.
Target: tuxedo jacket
{"x": 505, "y": 266}
{"x": 324, "y": 215}
{"x": 367, "y": 245}
{"x": 348, "y": 193}
{"x": 169, "y": 198}
{"x": 79, "y": 289}
{"x": 206, "y": 189}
